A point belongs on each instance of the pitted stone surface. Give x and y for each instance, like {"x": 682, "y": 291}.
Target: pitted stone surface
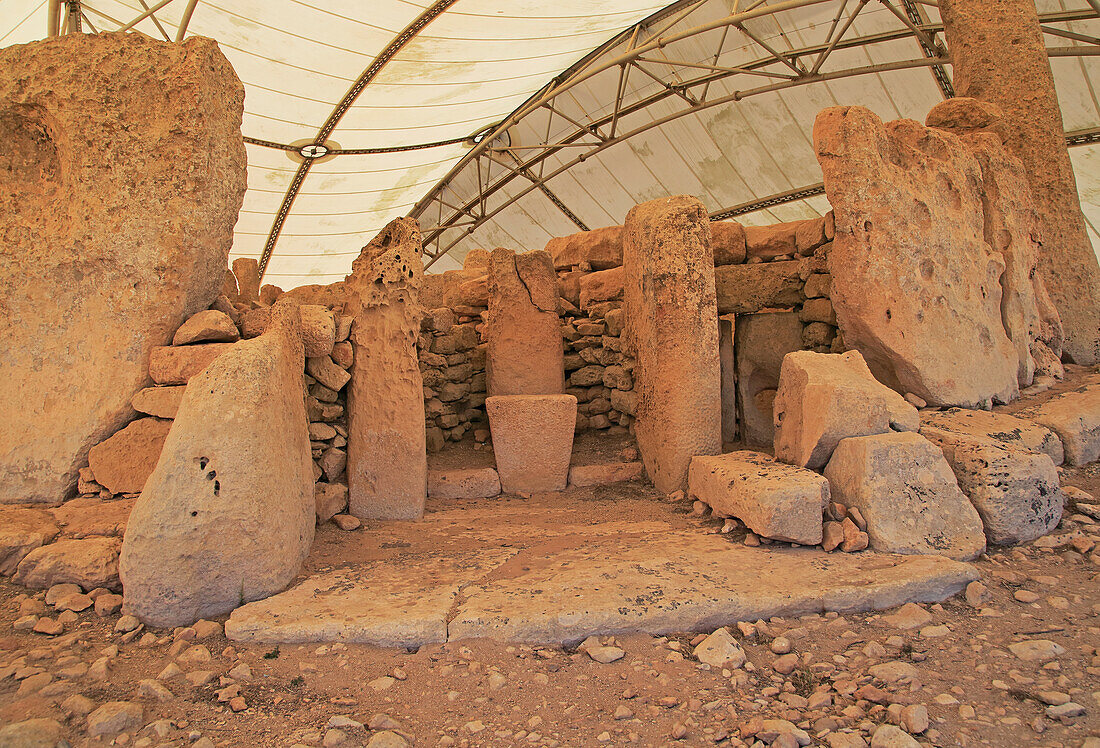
{"x": 1017, "y": 433}
{"x": 235, "y": 467}
{"x": 672, "y": 330}
{"x": 98, "y": 266}
{"x": 915, "y": 285}
{"x": 1016, "y": 491}
{"x": 387, "y": 455}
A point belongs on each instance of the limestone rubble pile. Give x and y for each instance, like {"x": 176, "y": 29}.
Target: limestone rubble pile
{"x": 98, "y": 266}
{"x": 236, "y": 465}
{"x": 916, "y": 284}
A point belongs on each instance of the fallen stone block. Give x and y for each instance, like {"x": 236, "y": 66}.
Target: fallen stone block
{"x": 1010, "y": 431}
{"x": 905, "y": 489}
{"x": 775, "y": 500}
{"x": 21, "y": 531}
{"x": 327, "y": 372}
{"x": 1016, "y": 491}
{"x": 581, "y": 476}
{"x": 532, "y": 440}
{"x": 823, "y": 398}
{"x": 177, "y": 364}
{"x": 91, "y": 563}
{"x": 228, "y": 514}
{"x": 1075, "y": 418}
{"x": 473, "y": 483}
{"x": 207, "y": 326}
{"x": 125, "y": 461}
{"x": 161, "y": 402}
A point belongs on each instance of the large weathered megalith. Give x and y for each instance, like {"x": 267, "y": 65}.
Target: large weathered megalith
{"x": 228, "y": 514}
{"x": 1012, "y": 228}
{"x": 99, "y": 265}
{"x": 387, "y": 457}
{"x": 672, "y": 330}
{"x": 915, "y": 286}
{"x": 525, "y": 355}
{"x": 999, "y": 55}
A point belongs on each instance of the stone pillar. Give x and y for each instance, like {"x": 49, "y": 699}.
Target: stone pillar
{"x": 671, "y": 329}
{"x": 525, "y": 355}
{"x": 998, "y": 55}
{"x": 387, "y": 457}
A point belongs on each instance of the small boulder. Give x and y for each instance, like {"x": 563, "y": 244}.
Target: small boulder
{"x": 32, "y": 733}
{"x": 720, "y": 650}
{"x": 162, "y": 402}
{"x": 905, "y": 489}
{"x": 90, "y": 563}
{"x": 125, "y": 461}
{"x": 330, "y": 499}
{"x": 115, "y": 717}
{"x": 21, "y": 531}
{"x": 208, "y": 326}
{"x": 1075, "y": 417}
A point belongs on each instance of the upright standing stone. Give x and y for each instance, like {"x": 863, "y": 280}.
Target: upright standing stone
{"x": 998, "y": 54}
{"x": 387, "y": 456}
{"x": 525, "y": 355}
{"x": 228, "y": 514}
{"x": 99, "y": 265}
{"x": 727, "y": 330}
{"x": 761, "y": 343}
{"x": 915, "y": 286}
{"x": 247, "y": 272}
{"x": 672, "y": 330}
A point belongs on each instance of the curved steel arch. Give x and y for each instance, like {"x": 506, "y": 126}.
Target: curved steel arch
{"x": 689, "y": 82}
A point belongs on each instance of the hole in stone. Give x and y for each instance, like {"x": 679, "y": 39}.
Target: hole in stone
{"x": 203, "y": 462}
{"x": 888, "y": 314}
{"x": 217, "y": 488}
{"x": 194, "y": 514}
{"x": 212, "y": 475}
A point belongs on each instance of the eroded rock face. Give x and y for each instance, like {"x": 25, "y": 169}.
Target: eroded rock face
{"x": 672, "y": 329}
{"x": 525, "y": 355}
{"x": 915, "y": 286}
{"x": 823, "y": 398}
{"x": 227, "y": 515}
{"x": 1012, "y": 228}
{"x": 906, "y": 491}
{"x": 387, "y": 465}
{"x": 99, "y": 266}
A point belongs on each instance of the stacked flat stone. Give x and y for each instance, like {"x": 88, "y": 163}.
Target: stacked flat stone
{"x": 598, "y": 373}
{"x": 452, "y": 364}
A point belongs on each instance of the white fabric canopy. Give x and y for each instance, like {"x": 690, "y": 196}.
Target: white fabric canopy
{"x": 475, "y": 62}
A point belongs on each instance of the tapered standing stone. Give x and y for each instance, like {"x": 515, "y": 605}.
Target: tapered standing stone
{"x": 525, "y": 349}
{"x": 998, "y": 55}
{"x": 387, "y": 465}
{"x": 672, "y": 330}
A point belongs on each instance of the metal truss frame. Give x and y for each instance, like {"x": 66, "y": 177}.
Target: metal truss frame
{"x": 647, "y": 49}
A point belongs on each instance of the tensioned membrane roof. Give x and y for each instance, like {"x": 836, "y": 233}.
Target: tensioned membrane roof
{"x": 506, "y": 123}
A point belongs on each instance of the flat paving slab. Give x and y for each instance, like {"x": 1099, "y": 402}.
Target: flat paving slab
{"x": 562, "y": 566}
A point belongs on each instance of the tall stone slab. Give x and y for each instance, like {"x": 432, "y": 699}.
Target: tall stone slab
{"x": 525, "y": 354}
{"x": 672, "y": 330}
{"x": 99, "y": 265}
{"x": 915, "y": 285}
{"x": 387, "y": 457}
{"x": 227, "y": 516}
{"x": 1012, "y": 228}
{"x": 998, "y": 54}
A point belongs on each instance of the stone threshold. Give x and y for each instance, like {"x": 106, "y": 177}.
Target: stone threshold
{"x": 632, "y": 577}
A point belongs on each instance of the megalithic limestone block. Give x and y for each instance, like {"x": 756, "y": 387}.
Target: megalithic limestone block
{"x": 99, "y": 265}
{"x": 387, "y": 465}
{"x": 525, "y": 355}
{"x": 999, "y": 55}
{"x": 915, "y": 286}
{"x": 1012, "y": 227}
{"x": 247, "y": 272}
{"x": 228, "y": 514}
{"x": 672, "y": 330}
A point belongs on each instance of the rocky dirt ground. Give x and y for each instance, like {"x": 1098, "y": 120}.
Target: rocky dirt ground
{"x": 958, "y": 673}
